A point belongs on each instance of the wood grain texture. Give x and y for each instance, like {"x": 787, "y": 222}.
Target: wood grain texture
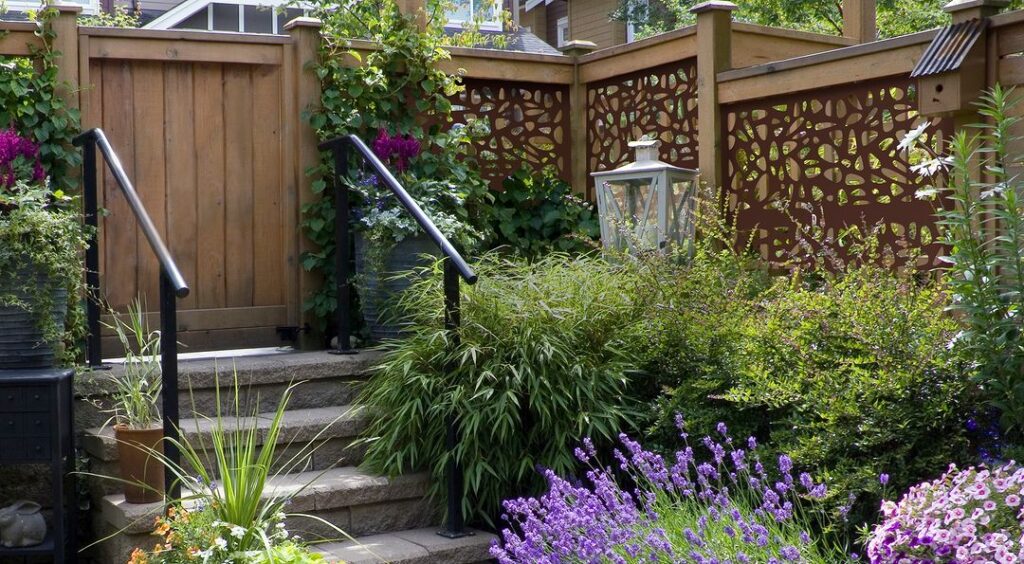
{"x": 120, "y": 249}
{"x": 210, "y": 142}
{"x": 150, "y": 173}
{"x": 238, "y": 191}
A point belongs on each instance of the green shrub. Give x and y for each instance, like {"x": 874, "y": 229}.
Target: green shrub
{"x": 536, "y": 214}
{"x": 856, "y": 380}
{"x": 541, "y": 365}
{"x": 692, "y": 338}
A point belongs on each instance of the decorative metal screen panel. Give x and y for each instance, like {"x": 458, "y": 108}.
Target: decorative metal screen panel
{"x": 660, "y": 102}
{"x": 828, "y": 160}
{"x": 529, "y": 125}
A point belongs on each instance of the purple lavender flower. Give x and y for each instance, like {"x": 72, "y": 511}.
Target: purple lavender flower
{"x": 597, "y": 520}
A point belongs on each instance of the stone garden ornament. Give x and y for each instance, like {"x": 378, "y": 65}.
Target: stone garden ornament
{"x": 22, "y": 525}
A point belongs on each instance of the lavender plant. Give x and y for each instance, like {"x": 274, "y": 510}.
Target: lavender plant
{"x": 725, "y": 507}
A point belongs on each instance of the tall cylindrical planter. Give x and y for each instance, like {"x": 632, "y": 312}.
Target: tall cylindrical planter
{"x": 141, "y": 470}
{"x": 22, "y": 342}
{"x": 380, "y": 280}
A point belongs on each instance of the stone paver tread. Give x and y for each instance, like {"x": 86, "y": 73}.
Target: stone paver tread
{"x": 298, "y": 426}
{"x": 416, "y": 546}
{"x": 313, "y": 491}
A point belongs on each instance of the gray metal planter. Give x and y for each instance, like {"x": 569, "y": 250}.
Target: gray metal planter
{"x": 22, "y": 344}
{"x": 380, "y": 284}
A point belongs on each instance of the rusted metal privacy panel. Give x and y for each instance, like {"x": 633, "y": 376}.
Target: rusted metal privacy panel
{"x": 660, "y": 102}
{"x": 949, "y": 48}
{"x": 827, "y": 160}
{"x": 529, "y": 126}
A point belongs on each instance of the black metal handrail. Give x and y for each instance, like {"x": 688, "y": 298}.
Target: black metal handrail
{"x": 454, "y": 267}
{"x": 172, "y": 286}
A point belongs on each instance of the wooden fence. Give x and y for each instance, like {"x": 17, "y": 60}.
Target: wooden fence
{"x": 795, "y": 127}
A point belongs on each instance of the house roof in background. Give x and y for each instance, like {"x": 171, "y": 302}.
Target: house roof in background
{"x": 520, "y": 40}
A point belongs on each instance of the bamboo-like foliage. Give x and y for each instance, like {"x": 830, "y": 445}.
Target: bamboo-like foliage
{"x": 541, "y": 364}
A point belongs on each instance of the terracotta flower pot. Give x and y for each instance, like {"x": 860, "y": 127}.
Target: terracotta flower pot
{"x": 142, "y": 471}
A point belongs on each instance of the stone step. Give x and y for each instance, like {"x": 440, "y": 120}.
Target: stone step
{"x": 334, "y": 429}
{"x": 352, "y": 500}
{"x": 327, "y": 380}
{"x": 349, "y": 499}
{"x": 414, "y": 546}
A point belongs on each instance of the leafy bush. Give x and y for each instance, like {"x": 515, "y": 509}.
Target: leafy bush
{"x": 692, "y": 337}
{"x": 720, "y": 507}
{"x": 537, "y": 213}
{"x": 540, "y": 364}
{"x": 970, "y": 515}
{"x": 400, "y": 96}
{"x": 855, "y": 379}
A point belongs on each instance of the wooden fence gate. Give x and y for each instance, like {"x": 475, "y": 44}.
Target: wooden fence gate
{"x": 199, "y": 122}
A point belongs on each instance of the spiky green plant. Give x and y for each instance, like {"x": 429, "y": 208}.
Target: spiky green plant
{"x": 136, "y": 388}
{"x": 983, "y": 224}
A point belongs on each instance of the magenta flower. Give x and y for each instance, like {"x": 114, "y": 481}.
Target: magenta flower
{"x": 397, "y": 151}
{"x": 19, "y": 159}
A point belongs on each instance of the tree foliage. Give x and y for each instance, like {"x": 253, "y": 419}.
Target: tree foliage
{"x": 895, "y": 17}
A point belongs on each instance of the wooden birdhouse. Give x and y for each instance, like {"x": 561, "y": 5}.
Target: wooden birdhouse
{"x": 951, "y": 73}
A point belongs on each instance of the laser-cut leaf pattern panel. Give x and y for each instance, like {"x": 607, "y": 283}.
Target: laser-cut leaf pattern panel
{"x": 529, "y": 125}
{"x": 660, "y": 102}
{"x": 830, "y": 158}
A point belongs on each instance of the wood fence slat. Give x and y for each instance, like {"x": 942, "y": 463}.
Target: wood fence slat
{"x": 219, "y": 318}
{"x": 268, "y": 263}
{"x": 190, "y": 51}
{"x": 210, "y": 171}
{"x": 238, "y": 112}
{"x": 179, "y": 147}
{"x": 121, "y": 250}
{"x": 148, "y": 108}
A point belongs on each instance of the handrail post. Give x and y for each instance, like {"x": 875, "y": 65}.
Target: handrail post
{"x": 169, "y": 375}
{"x": 455, "y": 526}
{"x": 93, "y": 344}
{"x": 342, "y": 251}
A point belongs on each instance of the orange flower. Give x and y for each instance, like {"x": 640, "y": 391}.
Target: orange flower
{"x": 138, "y": 557}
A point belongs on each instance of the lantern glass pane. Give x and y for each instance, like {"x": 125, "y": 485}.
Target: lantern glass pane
{"x": 680, "y": 211}
{"x": 633, "y": 215}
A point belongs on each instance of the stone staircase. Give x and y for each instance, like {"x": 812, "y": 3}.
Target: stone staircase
{"x": 391, "y": 520}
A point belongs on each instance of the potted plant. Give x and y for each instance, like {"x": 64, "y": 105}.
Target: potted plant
{"x": 41, "y": 241}
{"x": 389, "y": 243}
{"x": 136, "y": 415}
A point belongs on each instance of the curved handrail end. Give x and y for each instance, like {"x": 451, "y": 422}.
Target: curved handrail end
{"x": 84, "y": 136}
{"x": 182, "y": 292}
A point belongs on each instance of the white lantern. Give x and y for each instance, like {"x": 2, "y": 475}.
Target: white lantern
{"x": 647, "y": 204}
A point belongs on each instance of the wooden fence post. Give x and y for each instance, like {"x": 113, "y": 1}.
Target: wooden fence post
{"x": 714, "y": 55}
{"x": 64, "y": 28}
{"x": 578, "y": 155}
{"x": 417, "y": 8}
{"x": 859, "y": 20}
{"x": 304, "y": 96}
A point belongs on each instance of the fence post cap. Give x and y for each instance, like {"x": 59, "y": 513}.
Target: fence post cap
{"x": 66, "y": 8}
{"x": 299, "y": 22}
{"x": 713, "y": 5}
{"x": 577, "y": 47}
{"x": 960, "y": 5}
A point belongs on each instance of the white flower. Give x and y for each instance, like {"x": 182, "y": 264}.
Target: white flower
{"x": 995, "y": 190}
{"x": 913, "y": 135}
{"x": 220, "y": 543}
{"x": 926, "y": 193}
{"x": 238, "y": 532}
